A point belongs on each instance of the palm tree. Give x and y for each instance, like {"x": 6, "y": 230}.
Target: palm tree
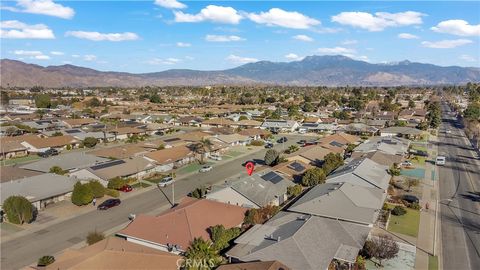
{"x": 201, "y": 147}
{"x": 202, "y": 251}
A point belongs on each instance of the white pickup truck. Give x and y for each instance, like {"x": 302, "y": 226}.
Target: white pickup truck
{"x": 440, "y": 160}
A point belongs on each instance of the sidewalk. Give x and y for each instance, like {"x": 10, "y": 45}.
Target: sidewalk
{"x": 426, "y": 231}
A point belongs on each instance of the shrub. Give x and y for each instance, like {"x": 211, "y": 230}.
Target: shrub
{"x": 112, "y": 193}
{"x": 94, "y": 237}
{"x": 271, "y": 157}
{"x": 399, "y": 211}
{"x": 414, "y": 206}
{"x": 97, "y": 188}
{"x": 82, "y": 194}
{"x": 90, "y": 142}
{"x": 116, "y": 183}
{"x": 57, "y": 170}
{"x": 45, "y": 260}
{"x": 294, "y": 191}
{"x": 199, "y": 192}
{"x": 394, "y": 170}
{"x": 313, "y": 177}
{"x": 18, "y": 209}
{"x": 257, "y": 143}
{"x": 261, "y": 215}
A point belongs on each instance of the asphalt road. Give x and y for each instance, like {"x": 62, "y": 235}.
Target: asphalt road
{"x": 27, "y": 249}
{"x": 460, "y": 183}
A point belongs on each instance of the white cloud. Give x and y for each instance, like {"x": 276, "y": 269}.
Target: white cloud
{"x": 89, "y": 57}
{"x": 407, "y": 36}
{"x": 303, "y": 38}
{"x": 240, "y": 60}
{"x": 172, "y": 4}
{"x": 336, "y": 50}
{"x": 468, "y": 58}
{"x": 446, "y": 44}
{"x": 378, "y": 21}
{"x": 44, "y": 7}
{"x": 221, "y": 38}
{"x": 75, "y": 55}
{"x": 183, "y": 44}
{"x": 32, "y": 54}
{"x": 293, "y": 57}
{"x": 212, "y": 13}
{"x": 349, "y": 42}
{"x": 457, "y": 27}
{"x": 96, "y": 36}
{"x": 282, "y": 18}
{"x": 18, "y": 30}
{"x": 56, "y": 53}
{"x": 160, "y": 61}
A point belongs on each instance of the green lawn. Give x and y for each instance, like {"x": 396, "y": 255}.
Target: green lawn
{"x": 418, "y": 160}
{"x": 20, "y": 160}
{"x": 432, "y": 262}
{"x": 140, "y": 185}
{"x": 406, "y": 224}
{"x": 419, "y": 148}
{"x": 192, "y": 167}
{"x": 154, "y": 180}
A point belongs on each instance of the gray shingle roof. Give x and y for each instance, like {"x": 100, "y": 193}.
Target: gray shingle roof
{"x": 300, "y": 241}
{"x": 38, "y": 187}
{"x": 342, "y": 201}
{"x": 362, "y": 171}
{"x": 68, "y": 161}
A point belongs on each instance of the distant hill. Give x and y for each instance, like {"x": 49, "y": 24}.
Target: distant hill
{"x": 312, "y": 70}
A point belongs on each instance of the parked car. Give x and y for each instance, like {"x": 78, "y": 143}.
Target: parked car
{"x": 410, "y": 198}
{"x": 108, "y": 204}
{"x": 165, "y": 181}
{"x": 215, "y": 157}
{"x": 309, "y": 143}
{"x": 126, "y": 188}
{"x": 206, "y": 168}
{"x": 49, "y": 152}
{"x": 302, "y": 142}
{"x": 269, "y": 145}
{"x": 440, "y": 161}
{"x": 406, "y": 163}
{"x": 282, "y": 140}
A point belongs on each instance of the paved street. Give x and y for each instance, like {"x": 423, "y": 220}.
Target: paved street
{"x": 27, "y": 249}
{"x": 460, "y": 182}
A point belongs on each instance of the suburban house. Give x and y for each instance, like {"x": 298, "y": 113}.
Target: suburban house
{"x": 360, "y": 129}
{"x": 189, "y": 121}
{"x": 408, "y": 132}
{"x": 78, "y": 122}
{"x": 68, "y": 162}
{"x": 11, "y": 149}
{"x": 388, "y": 145}
{"x": 255, "y": 133}
{"x": 43, "y": 125}
{"x": 342, "y": 201}
{"x": 115, "y": 253}
{"x": 300, "y": 241}
{"x": 122, "y": 151}
{"x": 363, "y": 172}
{"x": 233, "y": 139}
{"x": 312, "y": 154}
{"x": 123, "y": 133}
{"x": 293, "y": 169}
{"x": 175, "y": 229}
{"x": 317, "y": 127}
{"x": 268, "y": 265}
{"x": 280, "y": 125}
{"x": 247, "y": 123}
{"x": 171, "y": 158}
{"x": 379, "y": 157}
{"x": 80, "y": 134}
{"x": 137, "y": 167}
{"x": 258, "y": 190}
{"x": 10, "y": 173}
{"x": 37, "y": 144}
{"x": 40, "y": 190}
{"x": 217, "y": 122}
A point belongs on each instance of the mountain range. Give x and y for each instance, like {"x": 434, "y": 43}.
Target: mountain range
{"x": 311, "y": 71}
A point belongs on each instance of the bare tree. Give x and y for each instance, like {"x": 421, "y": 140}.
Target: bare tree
{"x": 383, "y": 247}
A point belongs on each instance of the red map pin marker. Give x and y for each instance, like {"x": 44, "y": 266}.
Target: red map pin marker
{"x": 250, "y": 167}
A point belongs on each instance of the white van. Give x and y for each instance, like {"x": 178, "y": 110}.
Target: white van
{"x": 440, "y": 160}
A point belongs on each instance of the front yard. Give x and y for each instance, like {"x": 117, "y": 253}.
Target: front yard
{"x": 406, "y": 224}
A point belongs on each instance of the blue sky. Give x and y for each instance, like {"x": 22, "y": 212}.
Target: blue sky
{"x": 147, "y": 36}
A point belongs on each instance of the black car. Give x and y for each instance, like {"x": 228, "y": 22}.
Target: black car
{"x": 108, "y": 204}
{"x": 410, "y": 198}
{"x": 268, "y": 145}
{"x": 282, "y": 140}
{"x": 49, "y": 152}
